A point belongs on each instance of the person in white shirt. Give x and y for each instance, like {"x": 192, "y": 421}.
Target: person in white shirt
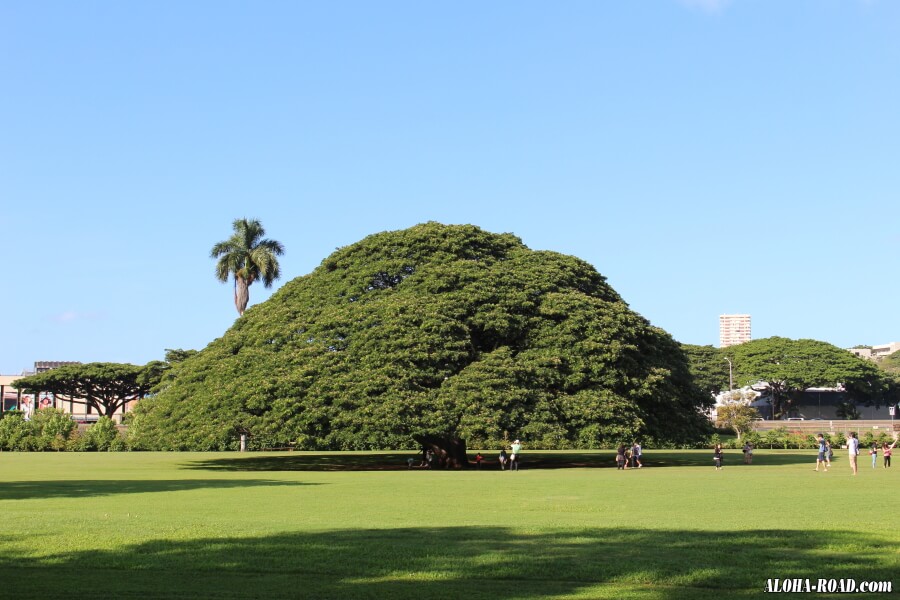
{"x": 27, "y": 408}
{"x": 853, "y": 449}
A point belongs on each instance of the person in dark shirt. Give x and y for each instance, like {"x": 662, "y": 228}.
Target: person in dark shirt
{"x": 822, "y": 457}
{"x": 717, "y": 456}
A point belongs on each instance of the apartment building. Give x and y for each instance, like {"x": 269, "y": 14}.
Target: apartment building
{"x": 733, "y": 330}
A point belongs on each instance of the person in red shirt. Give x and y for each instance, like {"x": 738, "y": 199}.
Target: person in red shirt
{"x": 886, "y": 451}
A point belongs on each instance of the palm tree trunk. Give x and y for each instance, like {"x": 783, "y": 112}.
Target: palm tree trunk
{"x": 241, "y": 294}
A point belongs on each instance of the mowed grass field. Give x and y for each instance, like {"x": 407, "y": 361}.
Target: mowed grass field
{"x": 349, "y": 525}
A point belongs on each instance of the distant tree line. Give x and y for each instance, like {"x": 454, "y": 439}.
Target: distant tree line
{"x": 788, "y": 367}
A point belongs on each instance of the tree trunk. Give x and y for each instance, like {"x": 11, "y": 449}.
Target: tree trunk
{"x": 450, "y": 452}
{"x": 241, "y": 294}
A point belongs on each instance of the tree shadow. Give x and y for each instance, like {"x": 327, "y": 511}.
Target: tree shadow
{"x": 359, "y": 461}
{"x": 657, "y": 458}
{"x": 302, "y": 461}
{"x": 493, "y": 563}
{"x": 23, "y": 490}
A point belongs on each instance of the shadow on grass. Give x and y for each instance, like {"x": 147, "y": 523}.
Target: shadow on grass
{"x": 302, "y": 461}
{"x": 358, "y": 461}
{"x": 735, "y": 458}
{"x": 455, "y": 562}
{"x": 22, "y": 490}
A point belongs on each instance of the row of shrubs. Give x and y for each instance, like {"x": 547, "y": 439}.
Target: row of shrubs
{"x": 782, "y": 438}
{"x": 51, "y": 429}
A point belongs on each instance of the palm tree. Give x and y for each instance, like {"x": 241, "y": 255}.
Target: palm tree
{"x": 249, "y": 257}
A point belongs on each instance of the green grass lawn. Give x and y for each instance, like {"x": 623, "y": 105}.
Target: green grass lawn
{"x": 348, "y": 525}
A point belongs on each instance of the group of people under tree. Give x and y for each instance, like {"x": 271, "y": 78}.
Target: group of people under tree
{"x": 508, "y": 460}
{"x": 629, "y": 457}
{"x": 512, "y": 459}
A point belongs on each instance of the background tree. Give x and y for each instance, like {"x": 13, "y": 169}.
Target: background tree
{"x": 105, "y": 387}
{"x": 736, "y": 415}
{"x": 847, "y": 410}
{"x": 248, "y": 257}
{"x": 445, "y": 335}
{"x": 791, "y": 366}
{"x": 891, "y": 363}
{"x": 708, "y": 367}
{"x": 173, "y": 360}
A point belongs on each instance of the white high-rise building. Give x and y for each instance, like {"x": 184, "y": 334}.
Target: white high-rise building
{"x": 733, "y": 329}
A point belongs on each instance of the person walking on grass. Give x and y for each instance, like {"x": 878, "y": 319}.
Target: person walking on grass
{"x": 636, "y": 453}
{"x": 717, "y": 456}
{"x": 873, "y": 452}
{"x": 853, "y": 452}
{"x": 514, "y": 456}
{"x": 886, "y": 452}
{"x": 748, "y": 453}
{"x": 829, "y": 453}
{"x": 822, "y": 458}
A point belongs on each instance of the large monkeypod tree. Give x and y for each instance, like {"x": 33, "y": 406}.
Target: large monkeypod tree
{"x": 442, "y": 336}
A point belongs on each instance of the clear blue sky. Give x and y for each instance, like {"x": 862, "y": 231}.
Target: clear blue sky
{"x": 708, "y": 157}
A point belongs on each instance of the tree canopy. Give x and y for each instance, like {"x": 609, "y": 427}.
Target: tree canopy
{"x": 708, "y": 368}
{"x": 736, "y": 415}
{"x": 435, "y": 330}
{"x": 105, "y": 387}
{"x": 891, "y": 363}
